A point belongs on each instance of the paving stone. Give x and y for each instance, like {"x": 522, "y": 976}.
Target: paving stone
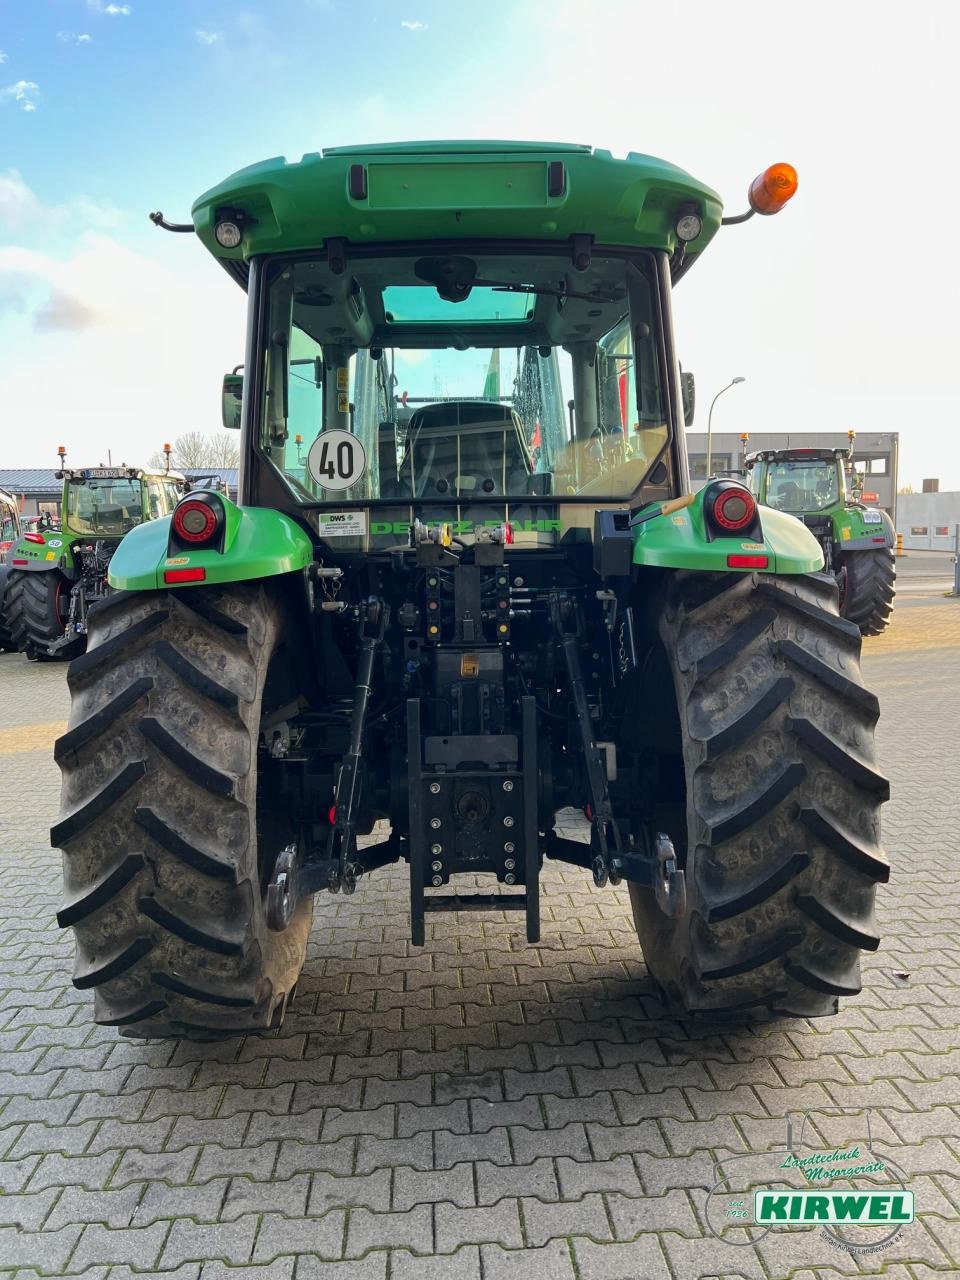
{"x": 456, "y": 1184}
{"x": 280, "y": 1235}
{"x": 462, "y": 1265}
{"x": 372, "y": 1267}
{"x": 43, "y": 1251}
{"x": 91, "y": 1172}
{"x": 363, "y": 1190}
{"x": 545, "y": 1222}
{"x": 136, "y": 1246}
{"x": 549, "y": 1263}
{"x": 229, "y": 1241}
{"x": 578, "y": 1177}
{"x": 203, "y": 1203}
{"x": 378, "y": 1153}
{"x": 497, "y": 1224}
{"x": 413, "y": 1229}
{"x": 331, "y": 1157}
{"x": 110, "y": 1208}
{"x": 494, "y": 1182}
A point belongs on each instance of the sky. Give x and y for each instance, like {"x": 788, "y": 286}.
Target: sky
{"x": 840, "y": 312}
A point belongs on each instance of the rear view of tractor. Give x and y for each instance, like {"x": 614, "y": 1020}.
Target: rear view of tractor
{"x": 466, "y": 588}
{"x": 56, "y": 574}
{"x": 819, "y": 487}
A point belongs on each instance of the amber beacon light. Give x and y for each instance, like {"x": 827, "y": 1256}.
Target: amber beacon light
{"x": 771, "y": 190}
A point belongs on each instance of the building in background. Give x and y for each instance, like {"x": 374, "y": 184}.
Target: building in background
{"x": 928, "y": 521}
{"x": 875, "y": 455}
{"x": 40, "y": 489}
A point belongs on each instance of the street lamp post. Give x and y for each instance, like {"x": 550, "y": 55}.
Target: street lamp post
{"x": 733, "y": 383}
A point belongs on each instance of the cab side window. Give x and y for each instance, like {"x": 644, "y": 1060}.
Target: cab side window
{"x": 156, "y": 500}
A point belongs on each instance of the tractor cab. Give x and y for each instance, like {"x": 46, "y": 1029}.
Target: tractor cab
{"x": 107, "y": 502}
{"x": 799, "y": 480}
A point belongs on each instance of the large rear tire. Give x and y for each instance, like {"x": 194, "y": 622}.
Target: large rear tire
{"x": 167, "y": 844}
{"x": 782, "y": 825}
{"x": 869, "y": 589}
{"x": 35, "y": 608}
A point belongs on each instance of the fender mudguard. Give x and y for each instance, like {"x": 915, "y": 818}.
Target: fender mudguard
{"x": 258, "y": 542}
{"x": 38, "y": 557}
{"x": 678, "y": 539}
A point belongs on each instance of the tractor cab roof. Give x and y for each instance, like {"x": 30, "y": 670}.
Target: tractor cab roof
{"x": 394, "y": 194}
{"x": 80, "y": 474}
{"x": 795, "y": 455}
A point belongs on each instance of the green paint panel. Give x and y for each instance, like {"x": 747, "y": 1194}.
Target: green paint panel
{"x": 53, "y": 553}
{"x": 679, "y": 541}
{"x": 446, "y": 190}
{"x": 258, "y": 543}
{"x": 458, "y": 186}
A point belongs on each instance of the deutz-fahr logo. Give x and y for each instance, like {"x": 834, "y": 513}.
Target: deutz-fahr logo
{"x": 470, "y": 526}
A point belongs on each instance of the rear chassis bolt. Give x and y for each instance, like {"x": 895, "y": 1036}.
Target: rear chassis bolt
{"x": 437, "y": 881}
{"x": 434, "y": 788}
{"x": 435, "y": 824}
{"x": 436, "y": 848}
{"x": 509, "y": 879}
{"x": 508, "y": 785}
{"x": 510, "y": 863}
{"x": 436, "y": 866}
{"x": 509, "y": 847}
{"x": 507, "y": 822}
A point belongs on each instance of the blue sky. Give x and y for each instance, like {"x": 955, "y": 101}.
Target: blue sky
{"x": 839, "y": 313}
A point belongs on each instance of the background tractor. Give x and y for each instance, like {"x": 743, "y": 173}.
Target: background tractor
{"x": 54, "y": 574}
{"x": 9, "y": 533}
{"x": 466, "y": 587}
{"x": 820, "y": 487}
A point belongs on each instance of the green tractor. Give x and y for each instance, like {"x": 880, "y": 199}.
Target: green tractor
{"x": 821, "y": 487}
{"x": 9, "y": 534}
{"x": 54, "y": 574}
{"x": 466, "y": 590}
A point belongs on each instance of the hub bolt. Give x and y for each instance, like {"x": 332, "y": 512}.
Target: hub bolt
{"x": 436, "y": 848}
{"x": 508, "y": 785}
{"x": 509, "y": 879}
{"x": 437, "y": 881}
{"x": 507, "y": 822}
{"x": 509, "y": 863}
{"x": 435, "y": 824}
{"x": 436, "y": 866}
{"x": 509, "y": 847}
{"x": 434, "y": 788}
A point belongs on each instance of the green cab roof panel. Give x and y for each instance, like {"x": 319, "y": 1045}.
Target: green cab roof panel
{"x": 419, "y": 191}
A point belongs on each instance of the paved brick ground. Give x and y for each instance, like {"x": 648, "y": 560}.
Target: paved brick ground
{"x": 478, "y": 1108}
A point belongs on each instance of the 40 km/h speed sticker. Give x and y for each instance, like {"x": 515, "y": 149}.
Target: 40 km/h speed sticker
{"x": 336, "y": 459}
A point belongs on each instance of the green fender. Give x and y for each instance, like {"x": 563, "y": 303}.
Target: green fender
{"x": 258, "y": 542}
{"x": 862, "y": 529}
{"x": 37, "y": 557}
{"x": 678, "y": 539}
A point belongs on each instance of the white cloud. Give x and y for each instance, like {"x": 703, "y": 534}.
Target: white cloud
{"x": 415, "y": 25}
{"x": 22, "y": 210}
{"x": 114, "y": 10}
{"x": 205, "y": 36}
{"x": 71, "y": 37}
{"x": 90, "y": 315}
{"x": 24, "y": 93}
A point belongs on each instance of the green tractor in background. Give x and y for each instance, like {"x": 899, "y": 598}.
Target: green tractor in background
{"x": 821, "y": 488}
{"x": 466, "y": 589}
{"x": 9, "y": 534}
{"x": 54, "y": 575}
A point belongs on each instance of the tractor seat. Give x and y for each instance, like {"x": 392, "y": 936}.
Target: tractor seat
{"x": 465, "y": 448}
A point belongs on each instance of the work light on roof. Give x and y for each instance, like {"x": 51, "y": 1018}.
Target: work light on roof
{"x": 228, "y": 234}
